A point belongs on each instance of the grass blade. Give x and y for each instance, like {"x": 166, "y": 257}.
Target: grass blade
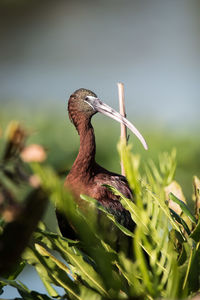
{"x": 184, "y": 207}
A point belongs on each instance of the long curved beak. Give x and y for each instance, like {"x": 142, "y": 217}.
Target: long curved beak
{"x": 99, "y": 106}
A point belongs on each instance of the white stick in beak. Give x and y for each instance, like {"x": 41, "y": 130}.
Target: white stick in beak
{"x": 99, "y": 106}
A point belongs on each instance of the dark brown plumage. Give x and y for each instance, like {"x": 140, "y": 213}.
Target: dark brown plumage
{"x": 86, "y": 176}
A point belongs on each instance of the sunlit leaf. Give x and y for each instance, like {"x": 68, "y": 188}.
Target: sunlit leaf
{"x": 184, "y": 207}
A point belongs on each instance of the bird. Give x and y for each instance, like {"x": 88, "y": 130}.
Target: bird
{"x": 86, "y": 175}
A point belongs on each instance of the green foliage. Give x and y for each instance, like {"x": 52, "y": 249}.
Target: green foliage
{"x": 165, "y": 253}
{"x": 51, "y": 127}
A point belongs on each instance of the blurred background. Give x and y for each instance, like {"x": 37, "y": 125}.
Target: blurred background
{"x": 50, "y": 48}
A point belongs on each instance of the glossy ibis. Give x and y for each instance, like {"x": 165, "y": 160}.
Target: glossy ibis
{"x": 86, "y": 176}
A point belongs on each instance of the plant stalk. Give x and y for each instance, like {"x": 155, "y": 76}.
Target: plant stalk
{"x": 123, "y": 136}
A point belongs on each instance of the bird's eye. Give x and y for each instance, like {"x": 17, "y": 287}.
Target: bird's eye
{"x": 86, "y": 98}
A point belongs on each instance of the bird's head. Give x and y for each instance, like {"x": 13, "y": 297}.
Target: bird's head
{"x": 78, "y": 106}
{"x": 83, "y": 104}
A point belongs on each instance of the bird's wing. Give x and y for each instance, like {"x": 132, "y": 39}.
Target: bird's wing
{"x": 121, "y": 184}
{"x": 118, "y": 181}
{"x": 111, "y": 201}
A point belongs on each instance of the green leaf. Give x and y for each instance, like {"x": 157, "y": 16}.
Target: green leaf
{"x": 51, "y": 271}
{"x": 24, "y": 291}
{"x": 131, "y": 164}
{"x": 130, "y": 271}
{"x": 142, "y": 262}
{"x": 130, "y": 206}
{"x": 106, "y": 212}
{"x": 165, "y": 209}
{"x": 195, "y": 235}
{"x": 180, "y": 221}
{"x": 192, "y": 278}
{"x": 76, "y": 259}
{"x": 167, "y": 163}
{"x": 84, "y": 269}
{"x": 92, "y": 244}
{"x": 184, "y": 207}
{"x": 155, "y": 171}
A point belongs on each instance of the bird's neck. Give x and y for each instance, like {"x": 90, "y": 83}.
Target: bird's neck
{"x": 86, "y": 156}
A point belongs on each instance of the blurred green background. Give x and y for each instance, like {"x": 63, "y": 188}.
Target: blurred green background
{"x": 50, "y": 48}
{"x": 51, "y": 128}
